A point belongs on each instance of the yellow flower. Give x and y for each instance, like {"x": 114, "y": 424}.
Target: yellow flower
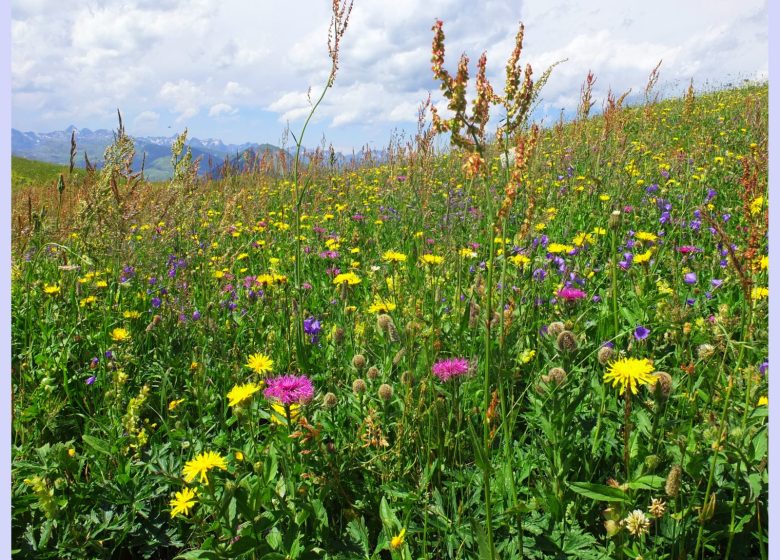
{"x": 764, "y": 262}
{"x": 629, "y": 373}
{"x": 643, "y": 257}
{"x": 101, "y": 284}
{"x": 89, "y": 300}
{"x": 120, "y": 335}
{"x": 131, "y": 314}
{"x": 527, "y": 356}
{"x": 398, "y": 540}
{"x": 393, "y": 256}
{"x": 759, "y": 293}
{"x": 757, "y": 205}
{"x": 173, "y": 404}
{"x": 240, "y": 393}
{"x": 239, "y": 456}
{"x": 582, "y": 238}
{"x": 468, "y": 253}
{"x": 183, "y": 502}
{"x": 604, "y": 197}
{"x": 559, "y": 248}
{"x": 519, "y": 260}
{"x": 51, "y": 289}
{"x": 646, "y": 236}
{"x": 202, "y": 464}
{"x": 763, "y": 401}
{"x": 381, "y": 306}
{"x": 347, "y": 277}
{"x": 260, "y": 363}
{"x": 432, "y": 259}
{"x": 71, "y": 452}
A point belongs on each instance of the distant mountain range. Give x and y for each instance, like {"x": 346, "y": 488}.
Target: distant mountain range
{"x": 54, "y": 147}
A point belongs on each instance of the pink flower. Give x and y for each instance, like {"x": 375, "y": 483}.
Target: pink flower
{"x": 289, "y": 389}
{"x": 571, "y": 294}
{"x": 452, "y": 367}
{"x": 685, "y": 249}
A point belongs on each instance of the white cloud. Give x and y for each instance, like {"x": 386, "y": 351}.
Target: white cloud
{"x": 221, "y": 109}
{"x": 76, "y": 62}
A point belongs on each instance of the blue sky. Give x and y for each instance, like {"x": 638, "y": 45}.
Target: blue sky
{"x": 240, "y": 70}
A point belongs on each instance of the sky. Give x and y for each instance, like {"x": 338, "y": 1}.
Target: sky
{"x": 240, "y": 71}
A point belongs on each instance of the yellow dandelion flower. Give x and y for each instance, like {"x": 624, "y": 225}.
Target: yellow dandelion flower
{"x": 763, "y": 401}
{"x": 519, "y": 260}
{"x": 240, "y": 393}
{"x": 759, "y": 293}
{"x": 381, "y": 306}
{"x": 643, "y": 257}
{"x": 646, "y": 236}
{"x": 559, "y": 248}
{"x": 51, "y": 289}
{"x": 629, "y": 373}
{"x": 432, "y": 259}
{"x": 202, "y": 464}
{"x": 349, "y": 278}
{"x": 120, "y": 335}
{"x": 260, "y": 363}
{"x": 393, "y": 256}
{"x": 183, "y": 502}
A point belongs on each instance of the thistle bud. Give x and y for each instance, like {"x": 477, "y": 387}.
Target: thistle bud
{"x": 555, "y": 328}
{"x": 385, "y": 392}
{"x": 358, "y": 386}
{"x": 358, "y": 361}
{"x": 555, "y": 376}
{"x": 663, "y": 385}
{"x": 567, "y": 342}
{"x": 605, "y": 355}
{"x": 329, "y": 401}
{"x": 372, "y": 373}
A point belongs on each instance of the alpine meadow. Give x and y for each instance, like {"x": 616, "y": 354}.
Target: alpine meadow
{"x": 546, "y": 341}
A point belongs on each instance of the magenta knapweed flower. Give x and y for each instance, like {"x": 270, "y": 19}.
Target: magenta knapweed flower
{"x": 289, "y": 389}
{"x": 571, "y": 294}
{"x": 451, "y": 367}
{"x": 686, "y": 249}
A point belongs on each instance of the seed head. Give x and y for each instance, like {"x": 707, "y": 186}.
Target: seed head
{"x": 555, "y": 328}
{"x": 373, "y": 372}
{"x": 555, "y": 376}
{"x": 358, "y": 361}
{"x": 663, "y": 385}
{"x": 385, "y": 392}
{"x": 567, "y": 342}
{"x": 605, "y": 355}
{"x": 329, "y": 401}
{"x": 672, "y": 487}
{"x": 705, "y": 351}
{"x": 358, "y": 386}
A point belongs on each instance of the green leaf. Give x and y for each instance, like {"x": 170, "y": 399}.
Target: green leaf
{"x": 647, "y": 482}
{"x": 359, "y": 534}
{"x": 599, "y": 492}
{"x": 389, "y": 520}
{"x": 97, "y": 444}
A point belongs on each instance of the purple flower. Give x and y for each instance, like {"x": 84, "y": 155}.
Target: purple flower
{"x": 690, "y": 278}
{"x": 93, "y": 363}
{"x": 90, "y": 380}
{"x": 539, "y": 274}
{"x": 716, "y": 282}
{"x": 312, "y": 327}
{"x": 764, "y": 367}
{"x": 452, "y": 367}
{"x": 195, "y": 315}
{"x": 641, "y": 333}
{"x": 289, "y": 389}
{"x": 156, "y": 302}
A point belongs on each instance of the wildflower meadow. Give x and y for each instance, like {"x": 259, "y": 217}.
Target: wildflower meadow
{"x": 542, "y": 342}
